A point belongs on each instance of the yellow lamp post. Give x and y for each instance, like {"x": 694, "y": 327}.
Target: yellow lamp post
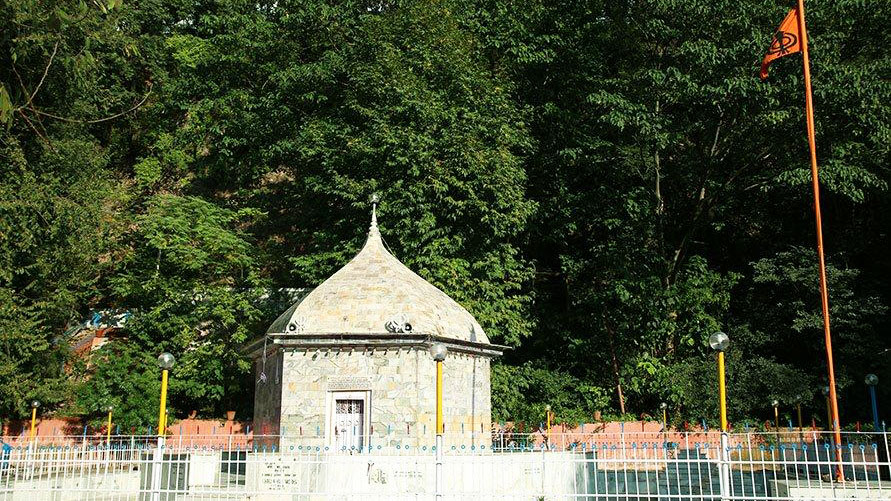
{"x": 720, "y": 342}
{"x": 165, "y": 362}
{"x": 109, "y": 409}
{"x": 776, "y": 413}
{"x": 664, "y": 408}
{"x": 34, "y": 405}
{"x": 438, "y": 351}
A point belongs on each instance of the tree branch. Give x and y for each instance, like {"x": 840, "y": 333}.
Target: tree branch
{"x": 45, "y": 72}
{"x": 98, "y": 120}
{"x": 30, "y": 124}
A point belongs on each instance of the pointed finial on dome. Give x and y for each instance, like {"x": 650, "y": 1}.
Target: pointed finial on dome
{"x": 374, "y": 201}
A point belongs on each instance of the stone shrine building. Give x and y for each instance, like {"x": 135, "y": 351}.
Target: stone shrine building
{"x": 348, "y": 365}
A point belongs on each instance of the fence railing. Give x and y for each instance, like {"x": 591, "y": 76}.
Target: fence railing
{"x": 626, "y": 466}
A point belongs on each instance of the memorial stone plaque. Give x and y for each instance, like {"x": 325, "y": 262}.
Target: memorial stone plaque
{"x": 283, "y": 474}
{"x": 349, "y": 383}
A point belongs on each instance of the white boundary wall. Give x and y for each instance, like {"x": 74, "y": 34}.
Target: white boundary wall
{"x": 748, "y": 468}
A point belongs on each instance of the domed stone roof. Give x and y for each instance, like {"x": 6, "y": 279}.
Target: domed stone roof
{"x": 376, "y": 294}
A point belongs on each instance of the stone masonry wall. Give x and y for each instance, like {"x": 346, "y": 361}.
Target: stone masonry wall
{"x": 401, "y": 386}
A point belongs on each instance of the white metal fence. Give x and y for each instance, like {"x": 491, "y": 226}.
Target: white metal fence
{"x": 794, "y": 465}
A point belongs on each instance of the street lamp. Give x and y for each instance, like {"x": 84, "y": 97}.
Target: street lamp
{"x": 720, "y": 342}
{"x": 108, "y": 409}
{"x": 664, "y": 408}
{"x": 871, "y": 382}
{"x": 438, "y": 351}
{"x": 165, "y": 362}
{"x": 34, "y": 405}
{"x": 776, "y": 413}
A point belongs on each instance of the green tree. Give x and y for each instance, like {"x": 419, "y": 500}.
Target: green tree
{"x": 603, "y": 184}
{"x": 59, "y": 197}
{"x": 125, "y": 376}
{"x": 663, "y": 167}
{"x": 304, "y": 111}
{"x": 189, "y": 279}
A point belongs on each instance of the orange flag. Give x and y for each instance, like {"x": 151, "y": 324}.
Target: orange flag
{"x": 787, "y": 40}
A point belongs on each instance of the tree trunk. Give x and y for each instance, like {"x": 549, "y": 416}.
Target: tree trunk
{"x": 612, "y": 350}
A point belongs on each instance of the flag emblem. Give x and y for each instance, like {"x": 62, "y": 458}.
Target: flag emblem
{"x": 783, "y": 43}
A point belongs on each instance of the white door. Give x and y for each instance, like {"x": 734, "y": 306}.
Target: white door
{"x": 349, "y": 421}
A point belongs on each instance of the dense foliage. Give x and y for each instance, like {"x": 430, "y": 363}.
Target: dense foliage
{"x": 602, "y": 183}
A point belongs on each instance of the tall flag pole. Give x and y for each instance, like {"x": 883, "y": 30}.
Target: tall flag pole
{"x": 791, "y": 37}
